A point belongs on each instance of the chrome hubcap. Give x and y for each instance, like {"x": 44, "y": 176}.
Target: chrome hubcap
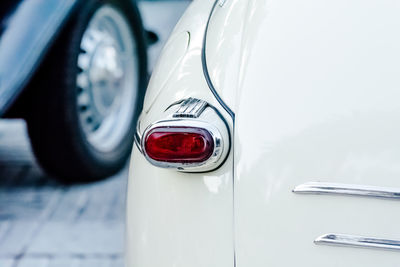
{"x": 108, "y": 79}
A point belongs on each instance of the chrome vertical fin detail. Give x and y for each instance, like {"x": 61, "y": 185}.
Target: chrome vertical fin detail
{"x": 190, "y": 108}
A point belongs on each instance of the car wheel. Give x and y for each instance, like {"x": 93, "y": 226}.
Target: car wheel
{"x": 89, "y": 92}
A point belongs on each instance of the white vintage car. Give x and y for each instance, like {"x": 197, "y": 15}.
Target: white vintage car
{"x": 270, "y": 136}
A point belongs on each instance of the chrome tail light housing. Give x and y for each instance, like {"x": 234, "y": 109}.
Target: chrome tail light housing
{"x": 193, "y": 138}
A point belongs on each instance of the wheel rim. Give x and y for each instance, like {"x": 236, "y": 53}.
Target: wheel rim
{"x": 108, "y": 79}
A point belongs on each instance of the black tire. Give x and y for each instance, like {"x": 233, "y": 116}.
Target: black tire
{"x": 58, "y": 140}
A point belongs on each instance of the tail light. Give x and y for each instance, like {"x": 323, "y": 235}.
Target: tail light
{"x": 179, "y": 144}
{"x": 193, "y": 139}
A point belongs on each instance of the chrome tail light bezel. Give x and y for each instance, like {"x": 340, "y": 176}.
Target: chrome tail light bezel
{"x": 209, "y": 164}
{"x": 206, "y": 118}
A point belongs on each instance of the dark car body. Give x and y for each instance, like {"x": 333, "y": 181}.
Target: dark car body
{"x": 27, "y": 29}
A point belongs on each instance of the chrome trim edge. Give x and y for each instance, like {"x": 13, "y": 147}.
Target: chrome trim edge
{"x": 321, "y": 188}
{"x": 137, "y": 141}
{"x": 357, "y": 241}
{"x": 205, "y": 68}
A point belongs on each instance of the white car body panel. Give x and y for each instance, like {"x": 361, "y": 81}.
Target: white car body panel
{"x": 223, "y": 48}
{"x": 315, "y": 89}
{"x": 176, "y": 218}
{"x": 318, "y": 102}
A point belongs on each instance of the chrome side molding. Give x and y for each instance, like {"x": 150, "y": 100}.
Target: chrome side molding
{"x": 347, "y": 240}
{"x": 347, "y": 189}
{"x": 357, "y": 241}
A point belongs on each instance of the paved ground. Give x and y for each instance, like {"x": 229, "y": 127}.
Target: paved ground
{"x": 44, "y": 223}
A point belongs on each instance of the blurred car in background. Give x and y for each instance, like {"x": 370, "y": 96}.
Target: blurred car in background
{"x": 270, "y": 136}
{"x": 76, "y": 71}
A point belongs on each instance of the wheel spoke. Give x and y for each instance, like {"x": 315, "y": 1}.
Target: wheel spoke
{"x": 83, "y": 99}
{"x": 84, "y": 61}
{"x": 82, "y": 80}
{"x": 106, "y": 102}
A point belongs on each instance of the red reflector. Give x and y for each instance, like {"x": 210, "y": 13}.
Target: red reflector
{"x": 179, "y": 144}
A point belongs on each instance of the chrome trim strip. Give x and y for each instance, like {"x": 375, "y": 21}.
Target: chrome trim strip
{"x": 222, "y": 3}
{"x": 347, "y": 189}
{"x": 205, "y": 68}
{"x": 137, "y": 138}
{"x": 357, "y": 241}
{"x": 137, "y": 141}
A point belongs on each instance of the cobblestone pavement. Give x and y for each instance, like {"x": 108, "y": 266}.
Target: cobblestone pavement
{"x": 45, "y": 223}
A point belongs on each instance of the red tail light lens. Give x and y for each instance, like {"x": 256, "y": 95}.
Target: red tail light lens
{"x": 179, "y": 144}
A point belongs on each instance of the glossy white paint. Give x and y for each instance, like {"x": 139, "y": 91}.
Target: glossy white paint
{"x": 314, "y": 85}
{"x": 178, "y": 219}
{"x": 172, "y": 54}
{"x": 318, "y": 101}
{"x": 223, "y": 48}
{"x": 174, "y": 218}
